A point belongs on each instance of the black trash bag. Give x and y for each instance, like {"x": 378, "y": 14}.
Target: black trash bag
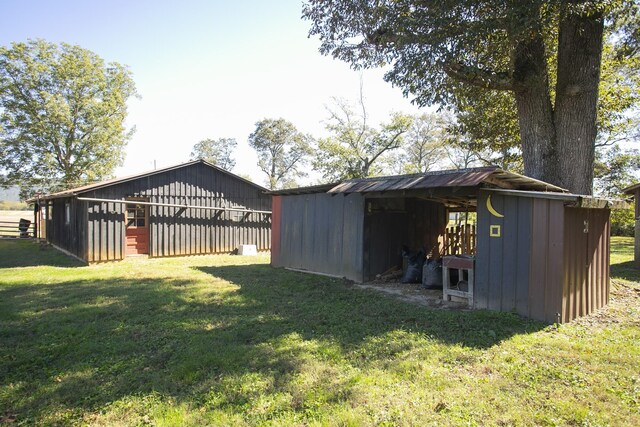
{"x": 432, "y": 274}
{"x": 415, "y": 261}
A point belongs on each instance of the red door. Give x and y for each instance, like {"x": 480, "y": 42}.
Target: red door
{"x": 137, "y": 233}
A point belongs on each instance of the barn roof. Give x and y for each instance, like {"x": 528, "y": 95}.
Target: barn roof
{"x": 97, "y": 185}
{"x": 471, "y": 177}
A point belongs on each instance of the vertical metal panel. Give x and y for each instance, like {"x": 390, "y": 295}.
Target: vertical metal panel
{"x": 585, "y": 262}
{"x": 546, "y": 282}
{"x": 352, "y": 232}
{"x": 276, "y": 220}
{"x": 502, "y": 261}
{"x": 320, "y": 233}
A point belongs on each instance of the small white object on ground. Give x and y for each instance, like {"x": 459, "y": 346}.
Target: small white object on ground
{"x": 247, "y": 250}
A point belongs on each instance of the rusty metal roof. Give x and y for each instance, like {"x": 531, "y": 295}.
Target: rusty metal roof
{"x": 472, "y": 177}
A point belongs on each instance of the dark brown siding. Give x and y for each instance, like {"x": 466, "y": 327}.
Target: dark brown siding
{"x": 181, "y": 231}
{"x": 503, "y": 263}
{"x": 320, "y": 233}
{"x": 586, "y": 261}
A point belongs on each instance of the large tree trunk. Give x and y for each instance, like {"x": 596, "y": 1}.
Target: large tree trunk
{"x": 535, "y": 113}
{"x": 579, "y": 56}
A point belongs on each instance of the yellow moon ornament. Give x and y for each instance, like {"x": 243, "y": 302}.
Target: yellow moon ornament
{"x": 491, "y": 209}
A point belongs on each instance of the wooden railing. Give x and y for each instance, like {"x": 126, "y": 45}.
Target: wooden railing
{"x": 460, "y": 240}
{"x": 14, "y": 229}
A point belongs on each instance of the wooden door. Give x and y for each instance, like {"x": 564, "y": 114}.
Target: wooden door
{"x": 137, "y": 229}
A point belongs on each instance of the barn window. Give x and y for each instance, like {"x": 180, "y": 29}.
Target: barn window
{"x": 67, "y": 213}
{"x": 136, "y": 216}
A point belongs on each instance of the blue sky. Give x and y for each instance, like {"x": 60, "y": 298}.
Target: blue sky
{"x": 204, "y": 69}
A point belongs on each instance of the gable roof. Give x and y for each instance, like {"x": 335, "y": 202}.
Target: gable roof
{"x": 470, "y": 177}
{"x": 97, "y": 185}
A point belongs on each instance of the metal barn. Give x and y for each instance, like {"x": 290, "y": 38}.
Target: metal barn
{"x": 535, "y": 249}
{"x": 190, "y": 209}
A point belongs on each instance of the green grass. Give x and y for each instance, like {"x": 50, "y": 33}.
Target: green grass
{"x": 227, "y": 340}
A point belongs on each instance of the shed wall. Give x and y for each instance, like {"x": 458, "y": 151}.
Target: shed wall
{"x": 586, "y": 261}
{"x": 503, "y": 263}
{"x": 319, "y": 233}
{"x": 181, "y": 231}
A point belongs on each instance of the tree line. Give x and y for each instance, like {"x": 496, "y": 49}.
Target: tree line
{"x": 549, "y": 88}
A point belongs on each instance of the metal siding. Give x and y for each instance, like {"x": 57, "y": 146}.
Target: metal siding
{"x": 523, "y": 261}
{"x": 502, "y": 263}
{"x": 496, "y": 280}
{"x": 321, "y": 233}
{"x": 352, "y": 247}
{"x": 276, "y": 221}
{"x": 539, "y": 245}
{"x": 586, "y": 262}
{"x": 510, "y": 254}
{"x": 554, "y": 282}
{"x": 483, "y": 255}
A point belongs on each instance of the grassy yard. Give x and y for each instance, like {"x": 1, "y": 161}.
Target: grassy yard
{"x": 227, "y": 340}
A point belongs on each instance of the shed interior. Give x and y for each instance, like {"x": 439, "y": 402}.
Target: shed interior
{"x": 419, "y": 223}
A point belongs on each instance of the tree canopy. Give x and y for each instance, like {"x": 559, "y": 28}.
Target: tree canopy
{"x": 62, "y": 113}
{"x": 545, "y": 53}
{"x": 282, "y": 151}
{"x": 216, "y": 151}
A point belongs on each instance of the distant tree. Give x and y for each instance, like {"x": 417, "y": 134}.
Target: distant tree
{"x": 354, "y": 148}
{"x": 216, "y": 151}
{"x": 62, "y": 112}
{"x": 282, "y": 151}
{"x": 424, "y": 143}
{"x": 615, "y": 170}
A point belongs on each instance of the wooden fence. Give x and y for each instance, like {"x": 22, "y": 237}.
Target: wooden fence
{"x": 460, "y": 240}
{"x": 15, "y": 229}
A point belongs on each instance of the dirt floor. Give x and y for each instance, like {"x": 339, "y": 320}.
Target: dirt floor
{"x": 411, "y": 292}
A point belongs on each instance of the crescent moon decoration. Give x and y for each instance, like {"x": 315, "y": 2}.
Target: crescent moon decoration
{"x": 491, "y": 209}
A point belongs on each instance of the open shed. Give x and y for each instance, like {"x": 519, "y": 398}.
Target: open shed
{"x": 189, "y": 209}
{"x": 634, "y": 190}
{"x": 535, "y": 249}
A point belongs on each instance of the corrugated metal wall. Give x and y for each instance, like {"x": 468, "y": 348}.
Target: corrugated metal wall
{"x": 586, "y": 261}
{"x": 179, "y": 231}
{"x": 319, "y": 233}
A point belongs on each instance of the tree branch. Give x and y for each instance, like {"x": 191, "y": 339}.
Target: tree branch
{"x": 479, "y": 77}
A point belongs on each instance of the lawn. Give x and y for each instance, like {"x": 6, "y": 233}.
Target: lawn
{"x": 227, "y": 340}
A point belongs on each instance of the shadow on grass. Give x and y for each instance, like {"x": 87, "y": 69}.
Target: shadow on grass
{"x": 626, "y": 271}
{"x": 76, "y": 347}
{"x": 29, "y": 253}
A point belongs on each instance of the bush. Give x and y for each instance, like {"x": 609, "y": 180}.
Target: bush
{"x": 622, "y": 222}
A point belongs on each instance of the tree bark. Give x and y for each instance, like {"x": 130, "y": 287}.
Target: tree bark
{"x": 535, "y": 112}
{"x": 579, "y": 57}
